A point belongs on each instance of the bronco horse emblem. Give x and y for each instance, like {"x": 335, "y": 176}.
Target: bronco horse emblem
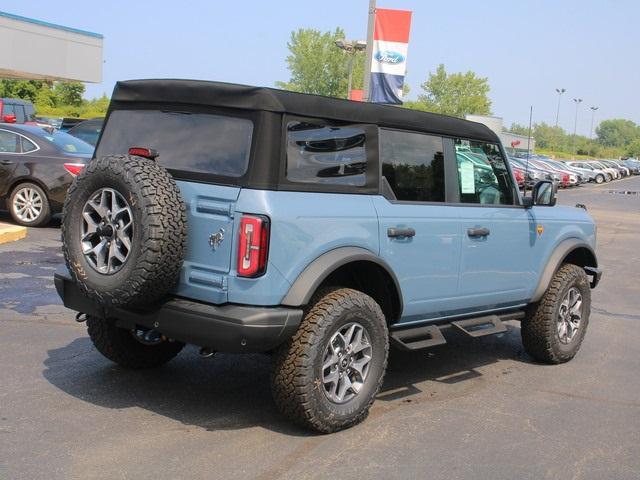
{"x": 215, "y": 239}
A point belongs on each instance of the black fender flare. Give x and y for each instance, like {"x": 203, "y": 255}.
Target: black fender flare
{"x": 556, "y": 260}
{"x": 316, "y": 272}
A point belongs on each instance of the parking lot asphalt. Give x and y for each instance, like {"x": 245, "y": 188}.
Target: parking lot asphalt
{"x": 471, "y": 409}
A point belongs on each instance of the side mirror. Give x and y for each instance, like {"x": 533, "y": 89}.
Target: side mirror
{"x": 9, "y": 119}
{"x": 544, "y": 194}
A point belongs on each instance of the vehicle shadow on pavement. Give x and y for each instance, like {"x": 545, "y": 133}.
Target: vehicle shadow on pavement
{"x": 441, "y": 370}
{"x": 231, "y": 392}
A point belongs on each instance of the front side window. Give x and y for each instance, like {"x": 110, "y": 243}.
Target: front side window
{"x": 186, "y": 141}
{"x": 482, "y": 173}
{"x": 325, "y": 154}
{"x": 413, "y": 165}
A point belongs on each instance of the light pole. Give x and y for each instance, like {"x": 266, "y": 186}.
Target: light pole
{"x": 351, "y": 47}
{"x": 593, "y": 114}
{"x": 578, "y": 101}
{"x": 560, "y": 91}
{"x": 367, "y": 65}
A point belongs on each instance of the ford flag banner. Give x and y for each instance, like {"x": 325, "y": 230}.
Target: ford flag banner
{"x": 389, "y": 62}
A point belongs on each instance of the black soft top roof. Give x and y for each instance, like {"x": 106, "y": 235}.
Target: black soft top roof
{"x": 229, "y": 95}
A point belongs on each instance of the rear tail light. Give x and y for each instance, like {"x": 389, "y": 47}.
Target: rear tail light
{"x": 74, "y": 168}
{"x": 149, "y": 153}
{"x": 253, "y": 245}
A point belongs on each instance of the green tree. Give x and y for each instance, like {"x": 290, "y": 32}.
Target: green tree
{"x": 24, "y": 89}
{"x": 69, "y": 93}
{"x": 318, "y": 66}
{"x": 549, "y": 137}
{"x": 617, "y": 132}
{"x": 633, "y": 149}
{"x": 455, "y": 94}
{"x": 518, "y": 129}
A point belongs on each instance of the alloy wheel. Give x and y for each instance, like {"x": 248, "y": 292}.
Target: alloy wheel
{"x": 569, "y": 315}
{"x": 27, "y": 204}
{"x": 107, "y": 230}
{"x": 346, "y": 363}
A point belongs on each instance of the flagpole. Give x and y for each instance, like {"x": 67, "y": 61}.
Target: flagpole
{"x": 367, "y": 67}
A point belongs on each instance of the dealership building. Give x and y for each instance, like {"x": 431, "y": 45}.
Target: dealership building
{"x": 511, "y": 141}
{"x": 37, "y": 50}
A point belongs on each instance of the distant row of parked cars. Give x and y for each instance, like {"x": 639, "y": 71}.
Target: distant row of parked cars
{"x": 530, "y": 170}
{"x": 39, "y": 156}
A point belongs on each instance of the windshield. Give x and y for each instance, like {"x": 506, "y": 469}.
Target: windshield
{"x": 68, "y": 143}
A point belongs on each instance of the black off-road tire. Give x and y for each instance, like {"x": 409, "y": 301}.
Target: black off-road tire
{"x": 41, "y": 220}
{"x": 297, "y": 375}
{"x": 120, "y": 346}
{"x": 539, "y": 327}
{"x": 159, "y": 235}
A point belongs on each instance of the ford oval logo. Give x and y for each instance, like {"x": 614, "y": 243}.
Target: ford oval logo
{"x": 389, "y": 56}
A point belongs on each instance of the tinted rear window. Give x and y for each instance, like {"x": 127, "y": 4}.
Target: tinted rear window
{"x": 68, "y": 143}
{"x": 190, "y": 142}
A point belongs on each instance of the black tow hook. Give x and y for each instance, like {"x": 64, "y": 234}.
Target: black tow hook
{"x": 81, "y": 317}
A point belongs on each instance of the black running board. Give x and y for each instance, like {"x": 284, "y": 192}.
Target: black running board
{"x": 480, "y": 326}
{"x": 425, "y": 336}
{"x": 417, "y": 338}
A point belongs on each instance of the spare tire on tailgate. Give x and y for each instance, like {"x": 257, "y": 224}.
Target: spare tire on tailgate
{"x": 124, "y": 231}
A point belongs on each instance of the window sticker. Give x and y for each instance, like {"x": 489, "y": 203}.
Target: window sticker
{"x": 467, "y": 178}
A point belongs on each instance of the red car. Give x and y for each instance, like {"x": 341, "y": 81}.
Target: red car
{"x": 14, "y": 110}
{"x": 519, "y": 176}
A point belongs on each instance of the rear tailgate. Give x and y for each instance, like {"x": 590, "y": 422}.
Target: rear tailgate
{"x": 210, "y": 210}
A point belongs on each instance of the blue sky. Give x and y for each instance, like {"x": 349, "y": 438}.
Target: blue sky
{"x": 525, "y": 48}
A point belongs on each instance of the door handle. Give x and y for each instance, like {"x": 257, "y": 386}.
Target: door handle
{"x": 478, "y": 232}
{"x": 6, "y": 162}
{"x": 400, "y": 232}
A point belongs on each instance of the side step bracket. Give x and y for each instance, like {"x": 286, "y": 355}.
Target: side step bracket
{"x": 480, "y": 326}
{"x": 417, "y": 338}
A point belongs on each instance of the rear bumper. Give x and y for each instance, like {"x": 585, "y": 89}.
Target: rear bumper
{"x": 224, "y": 328}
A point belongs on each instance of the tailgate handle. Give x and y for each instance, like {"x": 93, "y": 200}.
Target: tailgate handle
{"x": 400, "y": 232}
{"x": 478, "y": 232}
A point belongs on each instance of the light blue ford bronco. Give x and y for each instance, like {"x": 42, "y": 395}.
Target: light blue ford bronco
{"x": 322, "y": 231}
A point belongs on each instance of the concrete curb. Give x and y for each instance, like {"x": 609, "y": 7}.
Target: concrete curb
{"x": 11, "y": 233}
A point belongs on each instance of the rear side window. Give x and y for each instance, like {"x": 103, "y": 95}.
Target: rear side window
{"x": 190, "y": 142}
{"x": 413, "y": 165}
{"x": 9, "y": 142}
{"x": 28, "y": 145}
{"x": 482, "y": 173}
{"x": 326, "y": 154}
